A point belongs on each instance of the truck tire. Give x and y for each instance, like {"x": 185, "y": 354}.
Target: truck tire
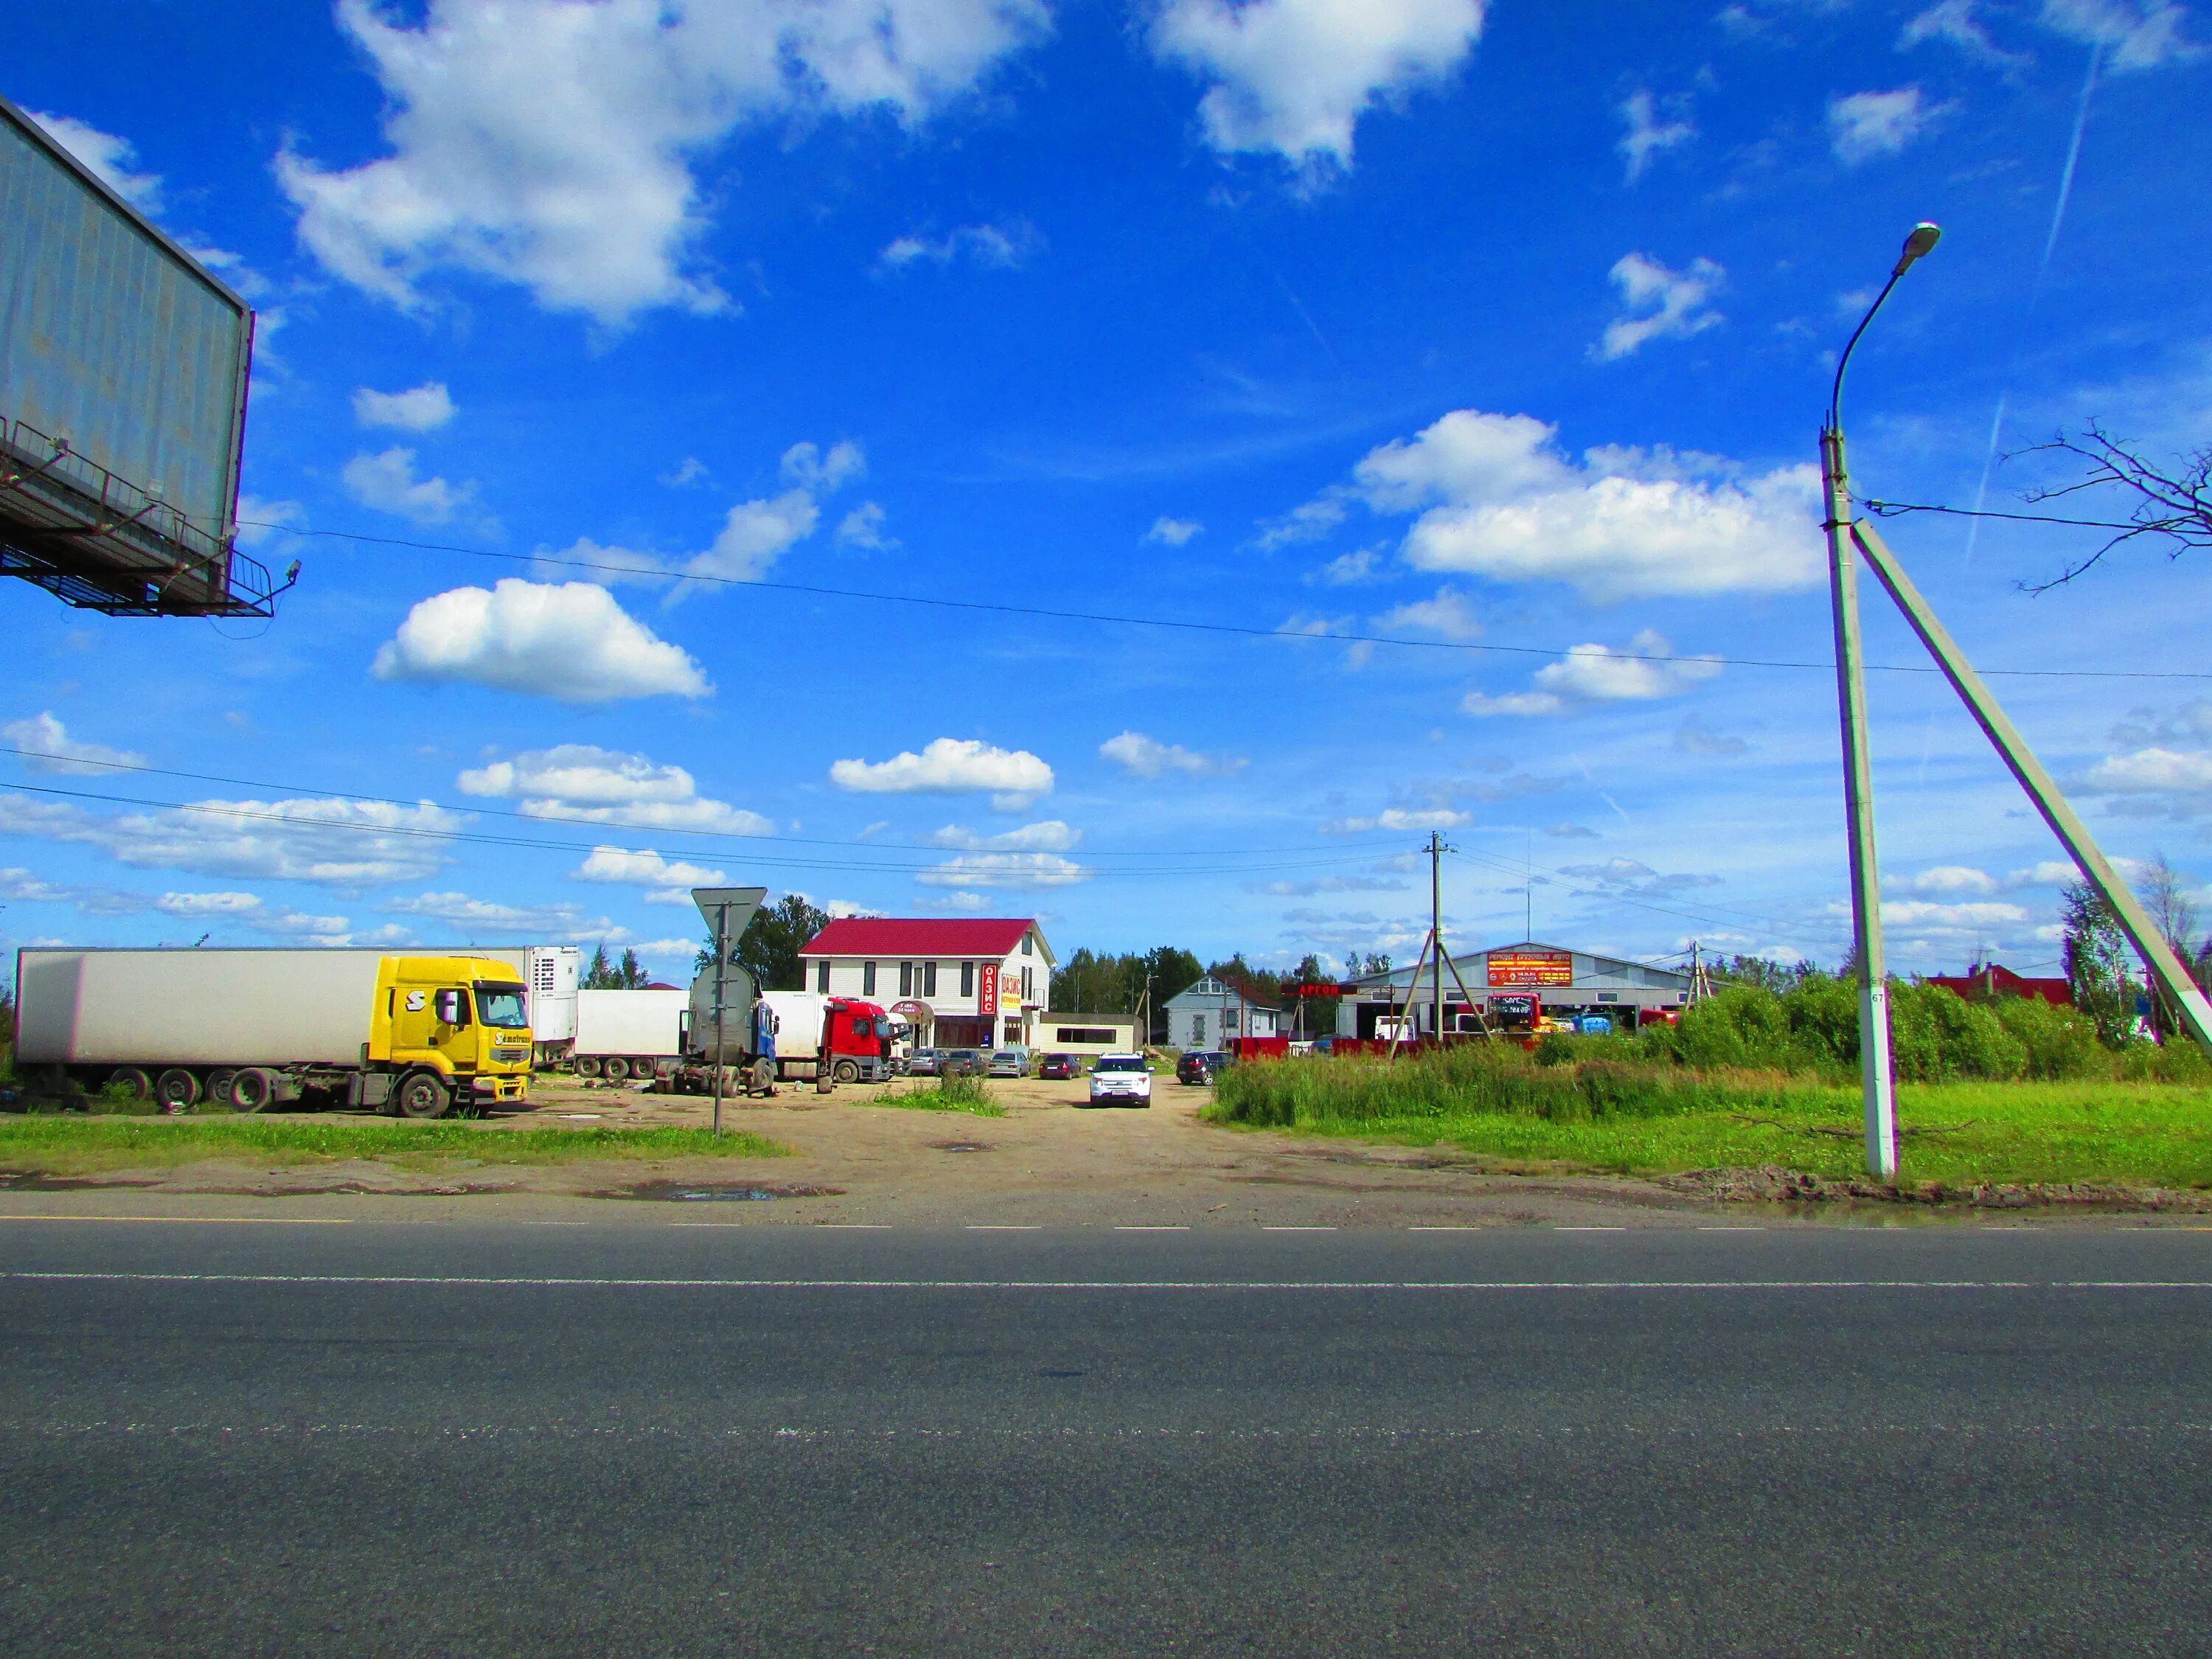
{"x": 422, "y": 1095}
{"x": 848, "y": 1071}
{"x": 133, "y": 1081}
{"x": 760, "y": 1076}
{"x": 252, "y": 1091}
{"x": 216, "y": 1085}
{"x": 588, "y": 1064}
{"x": 615, "y": 1069}
{"x": 177, "y": 1089}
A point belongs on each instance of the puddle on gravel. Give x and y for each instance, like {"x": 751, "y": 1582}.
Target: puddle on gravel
{"x": 958, "y": 1146}
{"x": 686, "y": 1192}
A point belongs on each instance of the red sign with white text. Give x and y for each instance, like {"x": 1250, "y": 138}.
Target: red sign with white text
{"x": 1531, "y": 968}
{"x": 986, "y": 987}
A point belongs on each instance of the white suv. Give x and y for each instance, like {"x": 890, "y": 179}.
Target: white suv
{"x": 1120, "y": 1079}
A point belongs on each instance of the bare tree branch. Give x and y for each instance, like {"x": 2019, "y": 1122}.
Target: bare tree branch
{"x": 2175, "y": 505}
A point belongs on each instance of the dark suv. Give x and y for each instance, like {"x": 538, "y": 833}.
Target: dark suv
{"x": 1202, "y": 1066}
{"x": 1058, "y": 1068}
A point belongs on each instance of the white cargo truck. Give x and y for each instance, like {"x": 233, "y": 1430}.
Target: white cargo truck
{"x": 417, "y": 1034}
{"x": 626, "y": 1034}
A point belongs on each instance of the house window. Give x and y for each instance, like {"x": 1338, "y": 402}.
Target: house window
{"x": 1025, "y": 946}
{"x": 967, "y": 979}
{"x": 1198, "y": 1030}
{"x": 929, "y": 979}
{"x": 822, "y": 977}
{"x": 1025, "y": 985}
{"x": 906, "y": 979}
{"x": 867, "y": 979}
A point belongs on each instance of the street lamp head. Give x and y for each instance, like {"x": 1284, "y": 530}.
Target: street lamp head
{"x": 1924, "y": 237}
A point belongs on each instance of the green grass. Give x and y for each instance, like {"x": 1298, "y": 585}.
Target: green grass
{"x": 76, "y": 1145}
{"x": 952, "y": 1094}
{"x": 1651, "y": 1121}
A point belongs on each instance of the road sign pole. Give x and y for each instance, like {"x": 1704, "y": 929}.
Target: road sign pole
{"x": 721, "y": 959}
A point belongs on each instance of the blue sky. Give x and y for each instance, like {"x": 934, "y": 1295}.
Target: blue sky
{"x": 1501, "y": 328}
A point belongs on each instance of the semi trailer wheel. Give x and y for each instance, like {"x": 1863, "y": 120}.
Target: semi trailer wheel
{"x": 177, "y": 1089}
{"x": 132, "y": 1081}
{"x": 614, "y": 1068}
{"x": 215, "y": 1087}
{"x": 848, "y": 1071}
{"x": 588, "y": 1064}
{"x": 252, "y": 1090}
{"x": 422, "y": 1095}
{"x": 760, "y": 1080}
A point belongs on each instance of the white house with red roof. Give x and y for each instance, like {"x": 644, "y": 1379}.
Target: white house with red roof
{"x": 963, "y": 982}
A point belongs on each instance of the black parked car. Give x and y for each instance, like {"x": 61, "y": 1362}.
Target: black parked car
{"x": 1058, "y": 1068}
{"x": 1202, "y": 1066}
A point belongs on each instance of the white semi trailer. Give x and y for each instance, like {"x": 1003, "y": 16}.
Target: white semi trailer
{"x": 626, "y": 1034}
{"x": 417, "y": 1033}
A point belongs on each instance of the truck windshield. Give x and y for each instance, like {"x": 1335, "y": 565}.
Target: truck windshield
{"x": 883, "y": 1028}
{"x": 502, "y": 1006}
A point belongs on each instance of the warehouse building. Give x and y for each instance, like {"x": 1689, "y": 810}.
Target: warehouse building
{"x": 1565, "y": 984}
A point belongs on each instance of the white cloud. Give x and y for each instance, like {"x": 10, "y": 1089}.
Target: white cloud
{"x": 481, "y": 918}
{"x": 1868, "y": 125}
{"x": 1659, "y": 304}
{"x": 1954, "y": 20}
{"x": 812, "y": 469}
{"x": 386, "y": 482}
{"x": 1501, "y": 502}
{"x": 663, "y": 950}
{"x": 1146, "y": 756}
{"x": 2136, "y": 34}
{"x": 1294, "y": 76}
{"x": 1302, "y": 523}
{"x": 343, "y": 843}
{"x": 52, "y": 749}
{"x": 1449, "y": 614}
{"x": 1647, "y": 135}
{"x": 1174, "y": 533}
{"x": 2154, "y": 770}
{"x": 108, "y": 157}
{"x": 579, "y": 781}
{"x": 950, "y": 766}
{"x": 1596, "y": 673}
{"x": 864, "y": 527}
{"x": 1395, "y": 819}
{"x": 1051, "y": 836}
{"x": 424, "y": 408}
{"x": 1015, "y": 870}
{"x": 755, "y": 533}
{"x": 196, "y": 906}
{"x": 672, "y": 879}
{"x": 569, "y": 640}
{"x": 2051, "y": 872}
{"x": 260, "y": 521}
{"x": 1001, "y": 247}
{"x": 1944, "y": 881}
{"x": 690, "y": 470}
{"x": 553, "y": 146}
{"x": 1972, "y": 916}
{"x": 1358, "y": 566}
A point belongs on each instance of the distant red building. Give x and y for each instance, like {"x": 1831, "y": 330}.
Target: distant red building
{"x": 1996, "y": 982}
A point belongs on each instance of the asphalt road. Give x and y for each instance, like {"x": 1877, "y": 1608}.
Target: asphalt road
{"x": 450, "y": 1439}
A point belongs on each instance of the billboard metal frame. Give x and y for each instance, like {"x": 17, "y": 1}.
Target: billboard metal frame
{"x": 97, "y": 540}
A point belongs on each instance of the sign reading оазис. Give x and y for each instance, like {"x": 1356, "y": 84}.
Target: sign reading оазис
{"x": 986, "y": 987}
{"x": 1531, "y": 968}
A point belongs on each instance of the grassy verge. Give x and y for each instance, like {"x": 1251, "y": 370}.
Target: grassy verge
{"x": 1655, "y": 1121}
{"x": 952, "y": 1094}
{"x": 79, "y": 1146}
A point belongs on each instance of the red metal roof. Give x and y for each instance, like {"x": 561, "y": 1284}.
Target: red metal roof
{"x": 919, "y": 936}
{"x": 2058, "y": 992}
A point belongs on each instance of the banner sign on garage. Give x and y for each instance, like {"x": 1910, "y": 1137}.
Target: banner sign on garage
{"x": 1532, "y": 967}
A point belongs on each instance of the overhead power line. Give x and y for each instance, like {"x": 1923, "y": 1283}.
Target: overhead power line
{"x": 1241, "y": 630}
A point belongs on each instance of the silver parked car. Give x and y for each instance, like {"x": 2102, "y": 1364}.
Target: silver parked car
{"x": 1009, "y": 1062}
{"x": 924, "y": 1062}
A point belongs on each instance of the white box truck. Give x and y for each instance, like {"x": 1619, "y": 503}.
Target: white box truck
{"x": 417, "y": 1034}
{"x": 626, "y": 1034}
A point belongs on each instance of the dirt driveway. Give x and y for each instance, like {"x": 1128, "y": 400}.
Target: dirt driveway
{"x": 1052, "y": 1161}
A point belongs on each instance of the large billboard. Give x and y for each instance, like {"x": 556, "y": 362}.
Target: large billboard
{"x": 1531, "y": 967}
{"x": 123, "y": 372}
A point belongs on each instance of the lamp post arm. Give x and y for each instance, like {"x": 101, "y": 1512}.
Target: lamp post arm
{"x": 1836, "y": 390}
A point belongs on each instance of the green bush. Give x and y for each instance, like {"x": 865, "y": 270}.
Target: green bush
{"x": 2058, "y": 1042}
{"x": 1935, "y": 1035}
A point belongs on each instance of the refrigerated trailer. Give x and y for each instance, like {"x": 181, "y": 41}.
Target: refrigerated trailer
{"x": 625, "y": 1034}
{"x": 414, "y": 1036}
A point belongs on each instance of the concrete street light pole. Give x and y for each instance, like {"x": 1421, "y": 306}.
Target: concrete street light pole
{"x": 1874, "y": 1073}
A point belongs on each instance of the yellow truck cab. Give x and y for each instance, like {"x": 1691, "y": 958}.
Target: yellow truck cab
{"x": 449, "y": 1030}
